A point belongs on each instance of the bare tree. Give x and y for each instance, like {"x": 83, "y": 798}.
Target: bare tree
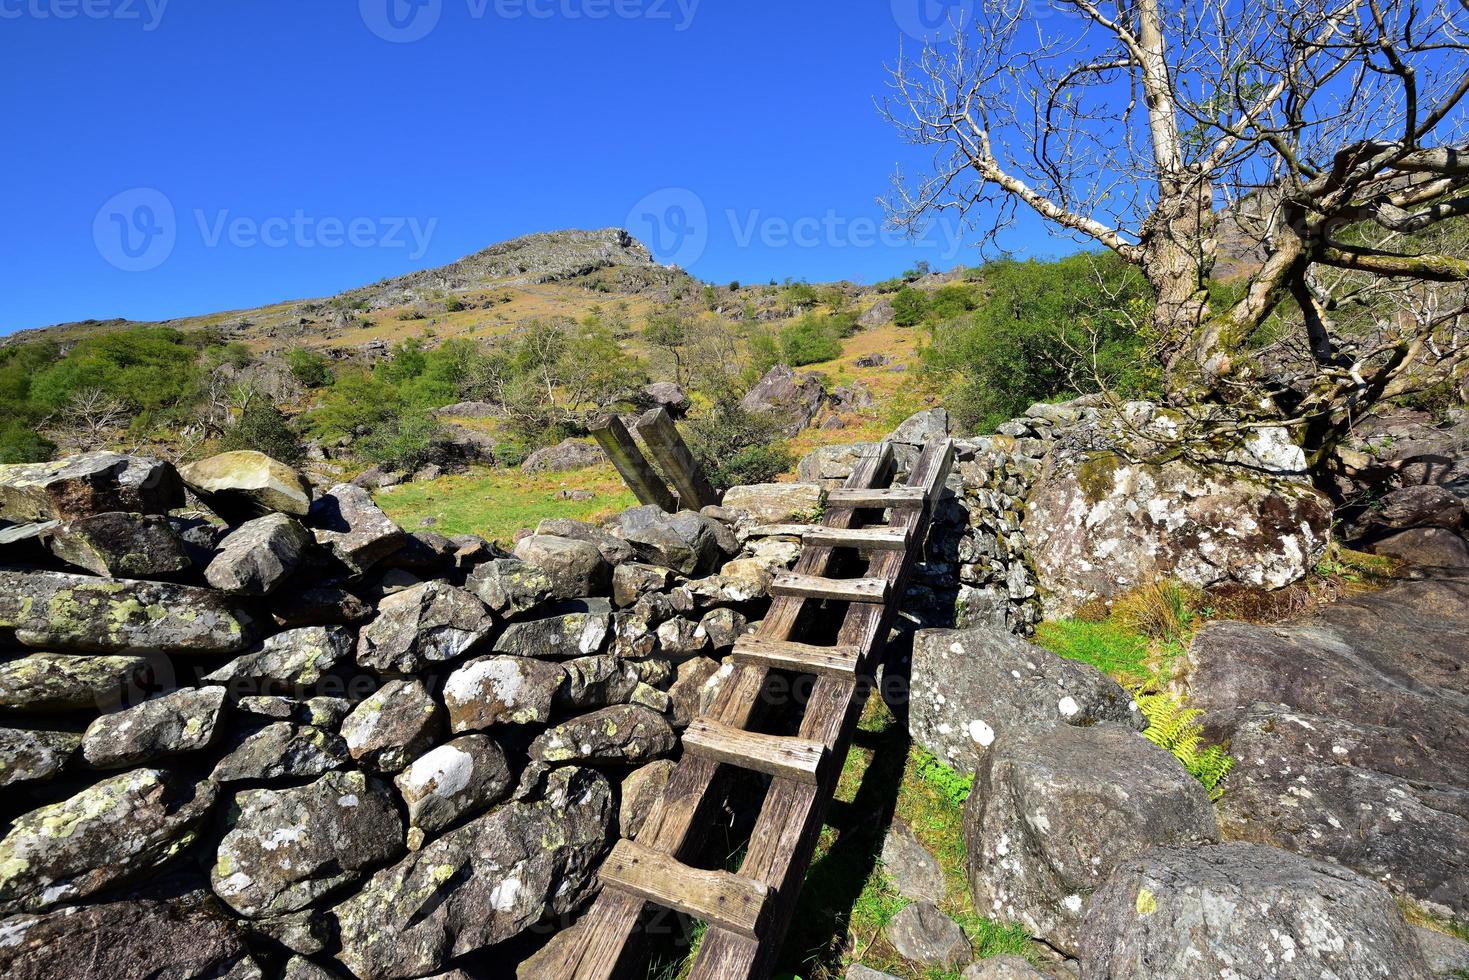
{"x": 90, "y": 418}
{"x": 1330, "y": 133}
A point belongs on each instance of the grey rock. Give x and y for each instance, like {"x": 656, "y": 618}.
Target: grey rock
{"x": 481, "y": 884}
{"x": 860, "y": 972}
{"x": 777, "y": 503}
{"x": 321, "y": 606}
{"x": 92, "y": 483}
{"x": 632, "y": 580}
{"x": 679, "y": 639}
{"x": 394, "y": 726}
{"x": 1009, "y": 967}
{"x": 80, "y": 612}
{"x": 568, "y": 454}
{"x": 305, "y": 933}
{"x": 687, "y": 542}
{"x": 286, "y": 849}
{"x": 640, "y": 790}
{"x": 291, "y": 662}
{"x": 614, "y": 550}
{"x": 623, "y": 734}
{"x": 924, "y": 935}
{"x": 510, "y": 586}
{"x": 1196, "y": 913}
{"x": 429, "y": 623}
{"x": 493, "y": 691}
{"x": 109, "y": 833}
{"x": 358, "y": 533}
{"x": 597, "y": 682}
{"x": 456, "y": 779}
{"x": 740, "y": 581}
{"x": 56, "y": 683}
{"x": 916, "y": 874}
{"x": 694, "y": 689}
{"x": 184, "y": 721}
{"x": 33, "y": 755}
{"x": 1433, "y": 547}
{"x": 323, "y": 712}
{"x": 1445, "y": 955}
{"x": 129, "y": 939}
{"x": 972, "y": 687}
{"x": 829, "y": 466}
{"x": 724, "y": 627}
{"x": 1055, "y": 809}
{"x": 575, "y": 568}
{"x": 258, "y": 556}
{"x": 668, "y": 395}
{"x": 793, "y": 399}
{"x": 300, "y": 968}
{"x": 283, "y": 750}
{"x": 578, "y": 631}
{"x": 121, "y": 545}
{"x": 1420, "y": 506}
{"x": 245, "y": 484}
{"x": 923, "y": 427}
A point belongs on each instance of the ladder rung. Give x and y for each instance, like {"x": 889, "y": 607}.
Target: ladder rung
{"x": 864, "y": 538}
{"x": 717, "y": 897}
{"x": 808, "y": 659}
{"x": 792, "y": 758}
{"x": 890, "y": 497}
{"x": 841, "y": 589}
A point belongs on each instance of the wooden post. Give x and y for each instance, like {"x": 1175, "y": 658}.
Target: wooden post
{"x": 672, "y": 455}
{"x": 619, "y": 446}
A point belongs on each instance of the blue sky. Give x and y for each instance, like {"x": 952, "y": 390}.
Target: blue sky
{"x": 169, "y": 157}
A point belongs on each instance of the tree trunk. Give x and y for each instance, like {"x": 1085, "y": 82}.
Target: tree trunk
{"x": 1178, "y": 252}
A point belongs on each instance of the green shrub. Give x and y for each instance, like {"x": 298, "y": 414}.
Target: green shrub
{"x": 810, "y": 340}
{"x": 405, "y": 442}
{"x": 909, "y": 307}
{"x": 20, "y": 443}
{"x": 736, "y": 446}
{"x": 310, "y": 368}
{"x": 264, "y": 428}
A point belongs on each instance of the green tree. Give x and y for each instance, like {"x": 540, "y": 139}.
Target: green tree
{"x": 310, "y": 368}
{"x": 909, "y": 307}
{"x": 264, "y": 428}
{"x": 736, "y": 446}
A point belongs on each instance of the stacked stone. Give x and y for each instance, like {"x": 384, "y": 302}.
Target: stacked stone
{"x": 324, "y": 745}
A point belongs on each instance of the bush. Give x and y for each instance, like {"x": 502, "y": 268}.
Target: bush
{"x": 313, "y": 370}
{"x": 810, "y": 340}
{"x": 736, "y": 446}
{"x": 263, "y": 428}
{"x": 405, "y": 442}
{"x": 909, "y": 307}
{"x": 19, "y": 443}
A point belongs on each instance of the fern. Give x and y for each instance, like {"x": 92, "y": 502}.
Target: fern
{"x": 1173, "y": 725}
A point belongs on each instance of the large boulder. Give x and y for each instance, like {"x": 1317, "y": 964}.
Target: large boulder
{"x": 358, "y": 533}
{"x": 109, "y": 833}
{"x": 777, "y": 503}
{"x": 128, "y": 939}
{"x": 493, "y": 691}
{"x": 972, "y": 687}
{"x": 285, "y": 849}
{"x": 614, "y": 550}
{"x": 575, "y": 568}
{"x": 183, "y": 721}
{"x": 120, "y": 545}
{"x": 429, "y": 623}
{"x": 293, "y": 662}
{"x": 260, "y": 555}
{"x": 444, "y": 784}
{"x": 1242, "y": 910}
{"x": 1099, "y": 524}
{"x": 793, "y": 399}
{"x": 829, "y": 466}
{"x": 31, "y": 755}
{"x": 621, "y": 735}
{"x": 573, "y": 629}
{"x": 81, "y": 486}
{"x": 80, "y": 612}
{"x": 1352, "y": 732}
{"x": 569, "y": 454}
{"x": 686, "y": 542}
{"x": 394, "y": 726}
{"x": 1418, "y": 506}
{"x": 481, "y": 884}
{"x": 44, "y": 683}
{"x": 1056, "y": 808}
{"x": 921, "y": 428}
{"x": 1433, "y": 547}
{"x": 244, "y": 484}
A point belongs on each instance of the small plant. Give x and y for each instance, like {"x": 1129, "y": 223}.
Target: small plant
{"x": 1173, "y": 725}
{"x": 1166, "y": 611}
{"x": 954, "y": 786}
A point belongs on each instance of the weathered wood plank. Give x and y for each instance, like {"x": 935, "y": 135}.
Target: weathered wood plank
{"x": 723, "y": 900}
{"x": 861, "y": 538}
{"x": 804, "y": 657}
{"x": 789, "y": 758}
{"x": 634, "y": 469}
{"x": 871, "y": 590}
{"x": 894, "y": 497}
{"x": 672, "y": 455}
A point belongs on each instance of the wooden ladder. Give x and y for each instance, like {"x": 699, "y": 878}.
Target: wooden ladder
{"x": 748, "y": 912}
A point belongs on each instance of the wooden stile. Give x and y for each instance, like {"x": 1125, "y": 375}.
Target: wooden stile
{"x": 673, "y": 458}
{"x": 631, "y": 465}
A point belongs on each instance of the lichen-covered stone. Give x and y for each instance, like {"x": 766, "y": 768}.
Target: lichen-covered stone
{"x": 92, "y": 483}
{"x": 632, "y": 579}
{"x": 922, "y": 934}
{"x": 596, "y": 682}
{"x": 358, "y": 533}
{"x": 623, "y": 734}
{"x": 245, "y": 484}
{"x": 80, "y": 612}
{"x": 777, "y": 503}
{"x": 1243, "y": 910}
{"x": 429, "y": 623}
{"x": 286, "y": 849}
{"x": 740, "y": 581}
{"x": 481, "y": 884}
{"x": 640, "y": 790}
{"x": 394, "y": 726}
{"x": 972, "y": 687}
{"x": 283, "y": 750}
{"x": 493, "y": 691}
{"x": 292, "y": 662}
{"x": 694, "y": 688}
{"x": 444, "y": 784}
{"x": 323, "y": 712}
{"x": 259, "y": 555}
{"x": 32, "y": 755}
{"x": 687, "y": 542}
{"x": 680, "y": 639}
{"x": 575, "y": 568}
{"x": 109, "y": 833}
{"x": 120, "y": 545}
{"x": 571, "y": 629}
{"x": 723, "y": 627}
{"x": 510, "y": 586}
{"x": 53, "y": 682}
{"x": 184, "y": 721}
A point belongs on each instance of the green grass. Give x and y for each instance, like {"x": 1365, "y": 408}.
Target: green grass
{"x": 1111, "y": 647}
{"x": 496, "y": 503}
